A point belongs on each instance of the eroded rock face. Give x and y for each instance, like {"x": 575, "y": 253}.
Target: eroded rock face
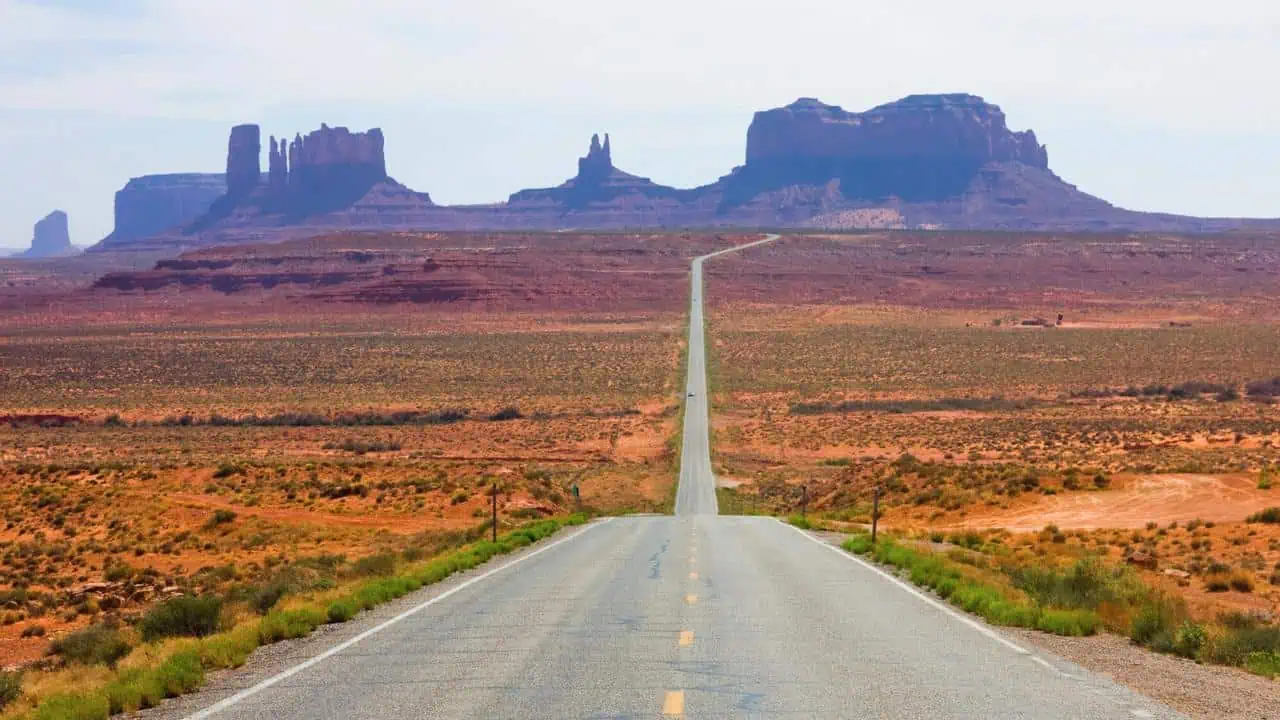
{"x": 244, "y": 160}
{"x": 151, "y": 204}
{"x": 51, "y": 238}
{"x": 328, "y": 169}
{"x": 923, "y": 148}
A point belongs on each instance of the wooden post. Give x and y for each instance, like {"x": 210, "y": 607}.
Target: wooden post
{"x": 875, "y": 513}
{"x": 495, "y": 511}
{"x": 804, "y": 499}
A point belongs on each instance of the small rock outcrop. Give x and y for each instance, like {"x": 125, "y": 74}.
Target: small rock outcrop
{"x": 922, "y": 148}
{"x": 151, "y": 204}
{"x": 597, "y": 181}
{"x": 51, "y": 238}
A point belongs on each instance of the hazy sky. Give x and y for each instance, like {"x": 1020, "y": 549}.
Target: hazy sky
{"x": 1165, "y": 105}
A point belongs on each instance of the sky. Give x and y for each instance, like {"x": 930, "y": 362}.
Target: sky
{"x": 1165, "y": 105}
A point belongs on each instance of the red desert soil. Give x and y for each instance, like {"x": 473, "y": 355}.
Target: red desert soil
{"x": 1151, "y": 498}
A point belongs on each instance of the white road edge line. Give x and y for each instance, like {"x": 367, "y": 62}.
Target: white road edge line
{"x": 940, "y": 606}
{"x": 249, "y": 692}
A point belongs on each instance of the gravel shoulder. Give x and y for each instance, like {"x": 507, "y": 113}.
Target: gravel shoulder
{"x": 1201, "y": 691}
{"x": 270, "y": 660}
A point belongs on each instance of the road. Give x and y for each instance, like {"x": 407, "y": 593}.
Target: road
{"x": 695, "y": 615}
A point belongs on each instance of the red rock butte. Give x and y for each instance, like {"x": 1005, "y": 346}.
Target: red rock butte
{"x": 925, "y": 161}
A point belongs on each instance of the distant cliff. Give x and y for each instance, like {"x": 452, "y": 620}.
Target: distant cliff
{"x": 51, "y": 238}
{"x": 923, "y": 162}
{"x": 923, "y": 148}
{"x": 151, "y": 204}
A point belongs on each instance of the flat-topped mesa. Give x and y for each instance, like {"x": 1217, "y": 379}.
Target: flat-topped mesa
{"x": 921, "y": 148}
{"x": 244, "y": 160}
{"x": 151, "y": 204}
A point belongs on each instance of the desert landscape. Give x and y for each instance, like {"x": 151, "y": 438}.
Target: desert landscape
{"x": 1017, "y": 400}
{"x": 265, "y": 422}
{"x": 231, "y": 420}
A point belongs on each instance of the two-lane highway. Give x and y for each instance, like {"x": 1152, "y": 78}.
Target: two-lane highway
{"x": 696, "y": 615}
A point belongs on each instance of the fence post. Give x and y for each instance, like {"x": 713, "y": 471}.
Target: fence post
{"x": 495, "y": 511}
{"x": 875, "y": 513}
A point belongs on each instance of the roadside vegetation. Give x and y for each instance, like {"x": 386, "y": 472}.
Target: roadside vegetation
{"x": 118, "y": 667}
{"x": 983, "y": 573}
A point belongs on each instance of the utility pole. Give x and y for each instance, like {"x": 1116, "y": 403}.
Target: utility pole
{"x": 875, "y": 513}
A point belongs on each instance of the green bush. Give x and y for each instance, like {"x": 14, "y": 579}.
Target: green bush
{"x": 1189, "y": 639}
{"x": 858, "y": 544}
{"x": 10, "y": 687}
{"x": 340, "y": 611}
{"x": 182, "y": 617}
{"x": 1068, "y": 622}
{"x": 141, "y": 688}
{"x": 1264, "y": 663}
{"x": 94, "y": 645}
{"x": 288, "y": 624}
{"x": 800, "y": 521}
{"x": 74, "y": 707}
{"x": 1155, "y": 621}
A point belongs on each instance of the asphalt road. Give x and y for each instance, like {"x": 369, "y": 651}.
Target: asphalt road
{"x": 695, "y": 615}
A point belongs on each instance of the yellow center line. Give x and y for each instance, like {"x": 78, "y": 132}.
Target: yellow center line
{"x": 686, "y": 638}
{"x": 673, "y": 704}
{"x": 691, "y": 599}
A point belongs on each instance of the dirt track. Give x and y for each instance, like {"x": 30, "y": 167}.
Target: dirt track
{"x": 1158, "y": 498}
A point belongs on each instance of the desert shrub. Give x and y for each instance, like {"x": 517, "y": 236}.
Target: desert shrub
{"x": 1102, "y": 482}
{"x": 1264, "y": 663}
{"x": 10, "y": 687}
{"x": 1271, "y": 516}
{"x": 227, "y": 469}
{"x": 361, "y": 447}
{"x": 1217, "y": 582}
{"x": 182, "y": 617}
{"x": 375, "y": 565}
{"x": 507, "y": 413}
{"x": 1241, "y": 581}
{"x": 1156, "y": 620}
{"x": 94, "y": 645}
{"x": 1188, "y": 639}
{"x": 1086, "y": 584}
{"x": 220, "y": 517}
{"x": 340, "y": 611}
{"x": 1235, "y": 645}
{"x": 31, "y": 631}
{"x": 800, "y": 521}
{"x": 264, "y": 597}
{"x": 1264, "y": 389}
